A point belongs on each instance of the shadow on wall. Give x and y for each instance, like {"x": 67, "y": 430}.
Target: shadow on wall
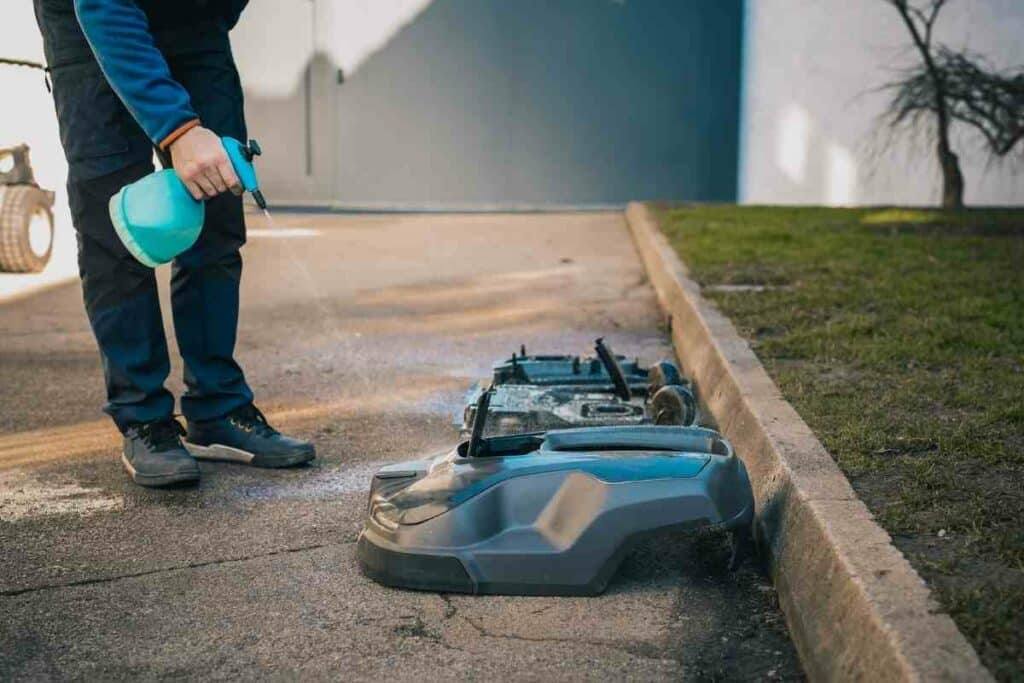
{"x": 496, "y": 103}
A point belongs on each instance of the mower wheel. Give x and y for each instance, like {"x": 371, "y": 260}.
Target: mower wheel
{"x": 662, "y": 374}
{"x": 673, "y": 405}
{"x": 26, "y": 228}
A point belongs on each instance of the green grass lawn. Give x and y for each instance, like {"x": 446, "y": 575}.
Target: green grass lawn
{"x": 899, "y": 337}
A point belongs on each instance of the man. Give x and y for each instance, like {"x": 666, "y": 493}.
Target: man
{"x": 128, "y": 75}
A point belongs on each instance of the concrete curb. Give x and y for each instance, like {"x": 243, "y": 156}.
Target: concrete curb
{"x": 855, "y": 607}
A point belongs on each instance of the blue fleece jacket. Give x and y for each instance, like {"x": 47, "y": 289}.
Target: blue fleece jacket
{"x": 119, "y": 34}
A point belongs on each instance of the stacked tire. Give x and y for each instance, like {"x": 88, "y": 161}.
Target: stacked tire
{"x": 26, "y": 228}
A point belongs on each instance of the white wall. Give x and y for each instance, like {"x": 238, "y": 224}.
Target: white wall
{"x": 809, "y": 109}
{"x": 27, "y": 116}
{"x": 26, "y": 113}
{"x": 273, "y": 62}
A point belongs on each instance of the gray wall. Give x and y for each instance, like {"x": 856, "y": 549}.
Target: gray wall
{"x": 480, "y": 103}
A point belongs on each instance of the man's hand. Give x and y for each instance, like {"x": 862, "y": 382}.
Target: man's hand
{"x": 202, "y": 164}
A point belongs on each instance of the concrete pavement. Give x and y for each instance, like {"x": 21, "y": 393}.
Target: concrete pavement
{"x": 360, "y": 332}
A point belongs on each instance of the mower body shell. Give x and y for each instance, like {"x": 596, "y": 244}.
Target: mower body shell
{"x": 547, "y": 514}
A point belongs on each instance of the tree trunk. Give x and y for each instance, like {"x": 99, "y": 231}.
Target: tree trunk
{"x": 952, "y": 179}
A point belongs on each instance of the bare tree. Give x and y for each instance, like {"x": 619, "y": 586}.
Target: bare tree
{"x": 947, "y": 87}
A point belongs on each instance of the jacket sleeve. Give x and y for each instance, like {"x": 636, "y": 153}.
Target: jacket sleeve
{"x": 118, "y": 33}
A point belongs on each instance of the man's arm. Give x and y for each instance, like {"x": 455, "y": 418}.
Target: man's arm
{"x": 118, "y": 33}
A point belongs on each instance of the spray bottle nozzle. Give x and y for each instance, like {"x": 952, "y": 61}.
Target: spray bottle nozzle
{"x": 251, "y": 151}
{"x": 260, "y": 201}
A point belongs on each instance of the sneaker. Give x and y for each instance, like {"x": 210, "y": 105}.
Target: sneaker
{"x": 245, "y": 436}
{"x": 154, "y": 456}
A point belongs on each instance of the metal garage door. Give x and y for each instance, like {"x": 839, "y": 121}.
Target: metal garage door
{"x": 514, "y": 103}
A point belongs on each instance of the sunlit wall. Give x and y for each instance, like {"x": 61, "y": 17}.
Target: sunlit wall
{"x": 811, "y": 73}
{"x": 26, "y": 108}
{"x": 809, "y": 102}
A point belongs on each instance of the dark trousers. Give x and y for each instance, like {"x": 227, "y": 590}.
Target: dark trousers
{"x": 124, "y": 311}
{"x": 106, "y": 149}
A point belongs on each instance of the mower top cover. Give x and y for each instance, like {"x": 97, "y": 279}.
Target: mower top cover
{"x": 546, "y": 514}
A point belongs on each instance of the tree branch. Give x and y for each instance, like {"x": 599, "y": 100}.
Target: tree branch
{"x": 986, "y": 100}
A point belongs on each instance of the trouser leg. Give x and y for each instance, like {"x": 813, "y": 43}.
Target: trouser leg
{"x": 204, "y": 298}
{"x": 205, "y": 279}
{"x": 122, "y": 305}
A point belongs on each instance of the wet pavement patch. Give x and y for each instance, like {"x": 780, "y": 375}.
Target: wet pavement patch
{"x": 25, "y": 495}
{"x": 323, "y": 484}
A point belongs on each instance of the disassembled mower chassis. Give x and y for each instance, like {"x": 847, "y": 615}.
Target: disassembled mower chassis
{"x": 547, "y": 514}
{"x": 537, "y": 393}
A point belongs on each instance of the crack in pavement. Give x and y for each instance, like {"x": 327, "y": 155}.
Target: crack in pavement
{"x": 634, "y": 649}
{"x": 418, "y": 629}
{"x": 12, "y": 592}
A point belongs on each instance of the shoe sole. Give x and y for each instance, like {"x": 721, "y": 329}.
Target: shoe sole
{"x": 158, "y": 480}
{"x": 222, "y": 453}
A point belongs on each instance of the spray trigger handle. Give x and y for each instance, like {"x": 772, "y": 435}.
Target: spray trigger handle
{"x": 241, "y": 157}
{"x": 251, "y": 150}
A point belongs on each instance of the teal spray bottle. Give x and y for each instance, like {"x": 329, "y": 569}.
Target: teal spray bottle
{"x": 156, "y": 217}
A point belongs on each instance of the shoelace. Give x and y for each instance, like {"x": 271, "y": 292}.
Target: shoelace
{"x": 251, "y": 419}
{"x": 163, "y": 435}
